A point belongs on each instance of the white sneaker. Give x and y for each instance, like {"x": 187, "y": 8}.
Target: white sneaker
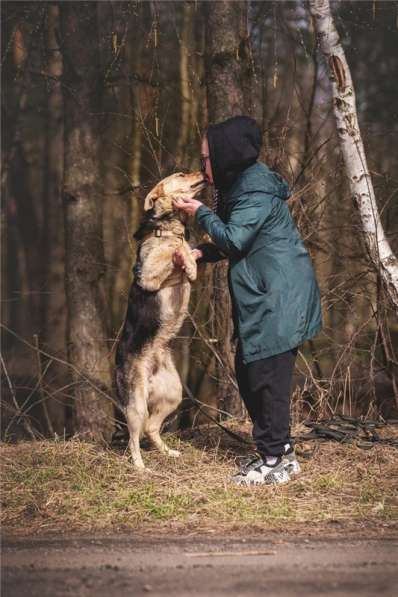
{"x": 290, "y": 462}
{"x": 257, "y": 472}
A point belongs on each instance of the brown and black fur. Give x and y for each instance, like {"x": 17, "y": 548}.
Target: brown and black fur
{"x": 148, "y": 384}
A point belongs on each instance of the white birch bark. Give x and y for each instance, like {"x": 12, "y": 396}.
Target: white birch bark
{"x": 344, "y": 107}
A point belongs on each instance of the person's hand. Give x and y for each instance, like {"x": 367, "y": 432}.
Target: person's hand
{"x": 187, "y": 205}
{"x": 196, "y": 254}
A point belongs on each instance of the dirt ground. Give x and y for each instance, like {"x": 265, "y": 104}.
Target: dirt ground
{"x": 126, "y": 564}
{"x": 79, "y": 520}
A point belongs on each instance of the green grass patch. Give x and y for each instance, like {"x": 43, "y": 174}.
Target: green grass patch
{"x": 78, "y": 486}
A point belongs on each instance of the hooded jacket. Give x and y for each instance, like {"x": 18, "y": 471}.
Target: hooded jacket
{"x": 276, "y": 299}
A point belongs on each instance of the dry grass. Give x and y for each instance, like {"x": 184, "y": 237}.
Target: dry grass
{"x": 77, "y": 486}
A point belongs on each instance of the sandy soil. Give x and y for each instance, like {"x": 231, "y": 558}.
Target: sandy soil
{"x": 196, "y": 565}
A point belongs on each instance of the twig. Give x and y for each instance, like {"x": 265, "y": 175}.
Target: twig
{"x": 26, "y": 401}
{"x": 25, "y": 422}
{"x": 201, "y": 410}
{"x": 63, "y": 362}
{"x": 40, "y": 385}
{"x": 212, "y": 349}
{"x": 204, "y": 405}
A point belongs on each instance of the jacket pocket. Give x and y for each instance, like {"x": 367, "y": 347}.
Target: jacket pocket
{"x": 255, "y": 278}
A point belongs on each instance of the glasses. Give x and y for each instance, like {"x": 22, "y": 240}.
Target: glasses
{"x": 203, "y": 159}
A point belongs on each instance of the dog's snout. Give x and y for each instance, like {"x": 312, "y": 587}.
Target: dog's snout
{"x": 201, "y": 182}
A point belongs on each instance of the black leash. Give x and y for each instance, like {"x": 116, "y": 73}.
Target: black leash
{"x": 232, "y": 434}
{"x": 362, "y": 432}
{"x": 341, "y": 429}
{"x": 346, "y": 430}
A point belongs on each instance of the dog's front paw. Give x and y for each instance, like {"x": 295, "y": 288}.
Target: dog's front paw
{"x": 191, "y": 271}
{"x": 192, "y": 277}
{"x": 173, "y": 453}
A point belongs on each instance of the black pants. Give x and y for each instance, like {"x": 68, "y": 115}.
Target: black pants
{"x": 264, "y": 386}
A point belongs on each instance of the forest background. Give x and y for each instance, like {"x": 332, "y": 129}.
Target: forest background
{"x": 100, "y": 100}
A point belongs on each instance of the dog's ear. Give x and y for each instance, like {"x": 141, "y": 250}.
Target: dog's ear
{"x": 149, "y": 201}
{"x": 152, "y": 196}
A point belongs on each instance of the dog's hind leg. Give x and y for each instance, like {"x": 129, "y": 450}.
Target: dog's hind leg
{"x": 165, "y": 395}
{"x": 137, "y": 410}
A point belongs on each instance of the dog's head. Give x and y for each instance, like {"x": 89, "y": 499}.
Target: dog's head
{"x": 160, "y": 199}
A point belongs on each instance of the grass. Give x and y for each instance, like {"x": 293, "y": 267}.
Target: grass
{"x": 73, "y": 485}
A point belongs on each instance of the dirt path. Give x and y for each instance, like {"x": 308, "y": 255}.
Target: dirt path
{"x": 129, "y": 565}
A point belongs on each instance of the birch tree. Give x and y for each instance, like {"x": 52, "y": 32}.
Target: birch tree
{"x": 360, "y": 182}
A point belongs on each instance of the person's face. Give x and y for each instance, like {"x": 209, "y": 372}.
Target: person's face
{"x": 205, "y": 164}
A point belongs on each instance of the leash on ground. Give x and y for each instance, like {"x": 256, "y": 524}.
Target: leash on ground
{"x": 332, "y": 430}
{"x": 229, "y": 432}
{"x": 340, "y": 428}
{"x": 232, "y": 434}
{"x": 346, "y": 430}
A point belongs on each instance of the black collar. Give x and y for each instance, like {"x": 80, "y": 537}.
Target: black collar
{"x": 151, "y": 224}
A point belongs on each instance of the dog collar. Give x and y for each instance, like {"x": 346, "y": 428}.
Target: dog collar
{"x": 159, "y": 233}
{"x": 183, "y": 235}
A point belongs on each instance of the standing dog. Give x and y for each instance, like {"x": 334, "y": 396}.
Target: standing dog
{"x": 148, "y": 384}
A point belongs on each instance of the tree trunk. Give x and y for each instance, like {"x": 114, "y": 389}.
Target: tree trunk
{"x": 344, "y": 106}
{"x": 185, "y": 85}
{"x": 82, "y": 195}
{"x": 117, "y": 22}
{"x": 225, "y": 38}
{"x": 53, "y": 307}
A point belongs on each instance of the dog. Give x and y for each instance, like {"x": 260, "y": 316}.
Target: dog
{"x": 148, "y": 385}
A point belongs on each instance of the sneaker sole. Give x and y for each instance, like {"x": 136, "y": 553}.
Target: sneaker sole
{"x": 293, "y": 468}
{"x": 279, "y": 478}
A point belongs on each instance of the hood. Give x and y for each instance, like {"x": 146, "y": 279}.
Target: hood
{"x": 234, "y": 145}
{"x": 259, "y": 178}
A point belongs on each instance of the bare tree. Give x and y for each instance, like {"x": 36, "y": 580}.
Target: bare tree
{"x": 84, "y": 261}
{"x": 185, "y": 85}
{"x": 116, "y": 21}
{"x": 225, "y": 37}
{"x": 360, "y": 182}
{"x": 53, "y": 306}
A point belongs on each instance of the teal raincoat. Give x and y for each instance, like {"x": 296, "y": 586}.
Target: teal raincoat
{"x": 275, "y": 294}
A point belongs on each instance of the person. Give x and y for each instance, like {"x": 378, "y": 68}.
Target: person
{"x": 274, "y": 292}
